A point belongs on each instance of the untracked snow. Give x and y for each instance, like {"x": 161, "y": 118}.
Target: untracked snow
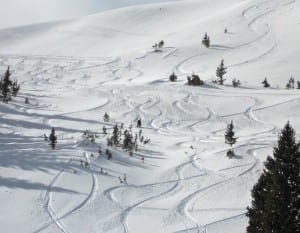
{"x": 74, "y": 71}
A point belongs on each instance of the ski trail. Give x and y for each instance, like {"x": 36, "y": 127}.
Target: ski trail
{"x": 47, "y": 200}
{"x": 77, "y": 208}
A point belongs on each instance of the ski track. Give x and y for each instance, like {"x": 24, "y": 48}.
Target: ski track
{"x": 92, "y": 193}
{"x": 47, "y": 200}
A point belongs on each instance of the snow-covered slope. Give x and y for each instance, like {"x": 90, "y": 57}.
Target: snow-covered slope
{"x": 75, "y": 71}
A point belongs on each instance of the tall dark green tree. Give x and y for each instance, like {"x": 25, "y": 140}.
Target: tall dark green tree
{"x": 115, "y": 137}
{"x": 221, "y": 71}
{"x": 266, "y": 83}
{"x": 5, "y": 86}
{"x": 8, "y": 88}
{"x": 276, "y": 196}
{"x": 230, "y": 139}
{"x": 53, "y": 139}
{"x": 206, "y": 41}
{"x": 229, "y": 135}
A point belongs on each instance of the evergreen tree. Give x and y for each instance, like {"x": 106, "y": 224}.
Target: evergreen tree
{"x": 8, "y": 88}
{"x": 229, "y": 135}
{"x": 115, "y": 137}
{"x": 53, "y": 138}
{"x": 161, "y": 44}
{"x": 276, "y": 196}
{"x": 230, "y": 139}
{"x": 266, "y": 83}
{"x": 5, "y": 86}
{"x": 221, "y": 71}
{"x": 206, "y": 41}
{"x": 236, "y": 83}
{"x": 15, "y": 88}
{"x": 195, "y": 80}
{"x": 106, "y": 117}
{"x": 173, "y": 77}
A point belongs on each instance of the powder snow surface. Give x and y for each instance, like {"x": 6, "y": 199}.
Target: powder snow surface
{"x": 74, "y": 71}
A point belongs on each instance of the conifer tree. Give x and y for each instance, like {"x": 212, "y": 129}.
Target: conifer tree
{"x": 221, "y": 71}
{"x": 236, "y": 83}
{"x": 276, "y": 196}
{"x": 173, "y": 77}
{"x": 229, "y": 135}
{"x": 230, "y": 139}
{"x": 266, "y": 83}
{"x": 115, "y": 137}
{"x": 15, "y": 88}
{"x": 8, "y": 88}
{"x": 206, "y": 41}
{"x": 161, "y": 44}
{"x": 53, "y": 138}
{"x": 5, "y": 86}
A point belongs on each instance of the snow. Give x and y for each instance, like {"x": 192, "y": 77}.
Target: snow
{"x": 74, "y": 71}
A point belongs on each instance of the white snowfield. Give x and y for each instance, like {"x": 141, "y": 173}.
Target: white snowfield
{"x": 74, "y": 71}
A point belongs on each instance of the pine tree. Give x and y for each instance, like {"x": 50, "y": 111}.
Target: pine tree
{"x": 236, "y": 83}
{"x": 161, "y": 44}
{"x": 206, "y": 41}
{"x": 106, "y": 117}
{"x": 115, "y": 137}
{"x": 266, "y": 83}
{"x": 230, "y": 139}
{"x": 221, "y": 71}
{"x": 53, "y": 138}
{"x": 276, "y": 196}
{"x": 5, "y": 86}
{"x": 8, "y": 88}
{"x": 173, "y": 77}
{"x": 229, "y": 135}
{"x": 15, "y": 88}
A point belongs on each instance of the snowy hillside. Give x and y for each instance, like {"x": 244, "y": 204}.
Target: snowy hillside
{"x": 73, "y": 72}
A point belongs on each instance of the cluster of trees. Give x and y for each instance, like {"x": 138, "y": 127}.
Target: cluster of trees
{"x": 8, "y": 88}
{"x": 194, "y": 80}
{"x": 276, "y": 196}
{"x": 236, "y": 82}
{"x": 125, "y": 138}
{"x": 158, "y": 46}
{"x": 291, "y": 83}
